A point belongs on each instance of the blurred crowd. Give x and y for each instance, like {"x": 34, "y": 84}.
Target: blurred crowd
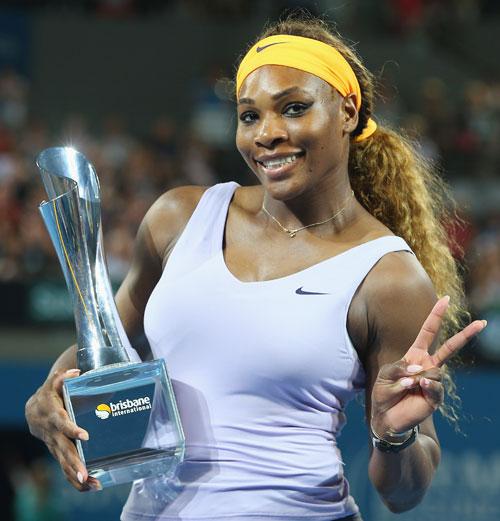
{"x": 404, "y": 16}
{"x": 459, "y": 131}
{"x": 134, "y": 169}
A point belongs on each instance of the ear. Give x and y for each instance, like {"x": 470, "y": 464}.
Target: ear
{"x": 349, "y": 113}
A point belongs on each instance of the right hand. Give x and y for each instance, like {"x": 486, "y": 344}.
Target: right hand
{"x": 409, "y": 390}
{"x": 48, "y": 420}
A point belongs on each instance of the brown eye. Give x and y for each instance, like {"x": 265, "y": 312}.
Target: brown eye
{"x": 248, "y": 116}
{"x": 296, "y": 109}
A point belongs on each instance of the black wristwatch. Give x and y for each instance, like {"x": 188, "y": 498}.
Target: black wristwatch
{"x": 394, "y": 447}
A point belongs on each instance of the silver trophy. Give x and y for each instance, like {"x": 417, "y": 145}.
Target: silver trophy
{"x": 128, "y": 408}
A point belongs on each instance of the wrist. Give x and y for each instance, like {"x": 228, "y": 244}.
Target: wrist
{"x": 389, "y": 435}
{"x": 394, "y": 442}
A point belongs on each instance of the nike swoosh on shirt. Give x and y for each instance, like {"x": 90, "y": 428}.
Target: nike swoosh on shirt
{"x": 300, "y": 291}
{"x": 260, "y": 49}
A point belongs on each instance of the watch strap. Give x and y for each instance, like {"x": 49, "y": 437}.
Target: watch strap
{"x": 394, "y": 447}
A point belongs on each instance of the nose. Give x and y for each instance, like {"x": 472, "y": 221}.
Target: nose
{"x": 271, "y": 132}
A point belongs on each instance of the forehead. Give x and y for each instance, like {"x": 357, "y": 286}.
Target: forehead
{"x": 272, "y": 79}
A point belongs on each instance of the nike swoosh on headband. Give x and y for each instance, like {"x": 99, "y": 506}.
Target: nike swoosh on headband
{"x": 300, "y": 291}
{"x": 260, "y": 49}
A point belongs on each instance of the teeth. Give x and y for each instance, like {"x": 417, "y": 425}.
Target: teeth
{"x": 276, "y": 163}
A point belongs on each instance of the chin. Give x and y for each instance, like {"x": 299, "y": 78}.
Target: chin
{"x": 284, "y": 189}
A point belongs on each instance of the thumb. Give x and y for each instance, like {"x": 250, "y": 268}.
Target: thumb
{"x": 397, "y": 370}
{"x": 58, "y": 378}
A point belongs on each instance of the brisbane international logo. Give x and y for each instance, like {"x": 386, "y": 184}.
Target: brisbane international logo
{"x": 103, "y": 411}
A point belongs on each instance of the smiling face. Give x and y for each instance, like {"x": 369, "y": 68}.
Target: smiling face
{"x": 293, "y": 130}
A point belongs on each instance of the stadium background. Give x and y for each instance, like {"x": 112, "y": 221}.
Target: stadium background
{"x": 141, "y": 88}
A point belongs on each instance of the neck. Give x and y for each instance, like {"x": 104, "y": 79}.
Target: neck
{"x": 315, "y": 206}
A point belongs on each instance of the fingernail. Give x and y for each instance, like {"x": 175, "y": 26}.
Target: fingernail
{"x": 425, "y": 382}
{"x": 83, "y": 435}
{"x": 80, "y": 477}
{"x": 71, "y": 372}
{"x": 95, "y": 485}
{"x": 485, "y": 323}
{"x": 446, "y": 298}
{"x": 414, "y": 368}
{"x": 406, "y": 382}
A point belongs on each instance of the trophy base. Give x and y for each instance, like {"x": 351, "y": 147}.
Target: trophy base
{"x": 130, "y": 414}
{"x": 145, "y": 464}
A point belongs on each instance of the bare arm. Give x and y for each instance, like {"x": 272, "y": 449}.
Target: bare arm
{"x": 157, "y": 235}
{"x": 398, "y": 308}
{"x": 398, "y": 298}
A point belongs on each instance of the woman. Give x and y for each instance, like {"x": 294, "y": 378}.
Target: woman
{"x": 275, "y": 304}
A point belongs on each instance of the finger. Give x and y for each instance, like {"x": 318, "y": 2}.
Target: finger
{"x": 456, "y": 342}
{"x": 386, "y": 396}
{"x": 45, "y": 414}
{"x": 73, "y": 431}
{"x": 431, "y": 325}
{"x": 407, "y": 383}
{"x": 94, "y": 483}
{"x": 60, "y": 421}
{"x": 59, "y": 377}
{"x": 434, "y": 373}
{"x": 432, "y": 391}
{"x": 392, "y": 372}
{"x": 76, "y": 480}
{"x": 66, "y": 454}
{"x": 401, "y": 369}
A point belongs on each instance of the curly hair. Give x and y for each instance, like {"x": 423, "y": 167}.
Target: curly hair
{"x": 396, "y": 185}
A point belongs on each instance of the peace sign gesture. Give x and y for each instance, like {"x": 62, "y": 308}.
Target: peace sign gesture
{"x": 409, "y": 390}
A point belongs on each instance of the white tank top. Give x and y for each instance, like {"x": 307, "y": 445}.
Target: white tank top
{"x": 262, "y": 373}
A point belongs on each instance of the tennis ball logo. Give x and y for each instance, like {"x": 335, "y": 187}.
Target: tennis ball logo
{"x": 103, "y": 411}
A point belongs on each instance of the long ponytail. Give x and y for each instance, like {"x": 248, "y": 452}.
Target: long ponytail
{"x": 400, "y": 188}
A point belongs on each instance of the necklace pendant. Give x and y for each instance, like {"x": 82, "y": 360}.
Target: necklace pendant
{"x": 292, "y": 233}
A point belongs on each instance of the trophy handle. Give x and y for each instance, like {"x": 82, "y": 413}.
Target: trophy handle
{"x": 73, "y": 219}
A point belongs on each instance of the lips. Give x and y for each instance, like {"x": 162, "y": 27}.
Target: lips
{"x": 275, "y": 165}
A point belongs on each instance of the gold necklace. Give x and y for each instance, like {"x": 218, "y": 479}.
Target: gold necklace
{"x": 293, "y": 233}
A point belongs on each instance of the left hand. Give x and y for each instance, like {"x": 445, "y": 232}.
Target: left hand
{"x": 406, "y": 392}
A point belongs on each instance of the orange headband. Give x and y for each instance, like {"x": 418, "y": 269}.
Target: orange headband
{"x": 308, "y": 55}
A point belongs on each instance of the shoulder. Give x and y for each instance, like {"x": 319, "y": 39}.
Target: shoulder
{"x": 398, "y": 277}
{"x": 176, "y": 205}
{"x": 399, "y": 296}
{"x": 391, "y": 306}
{"x": 168, "y": 216}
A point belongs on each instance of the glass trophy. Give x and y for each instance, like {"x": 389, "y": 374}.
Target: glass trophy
{"x": 128, "y": 408}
